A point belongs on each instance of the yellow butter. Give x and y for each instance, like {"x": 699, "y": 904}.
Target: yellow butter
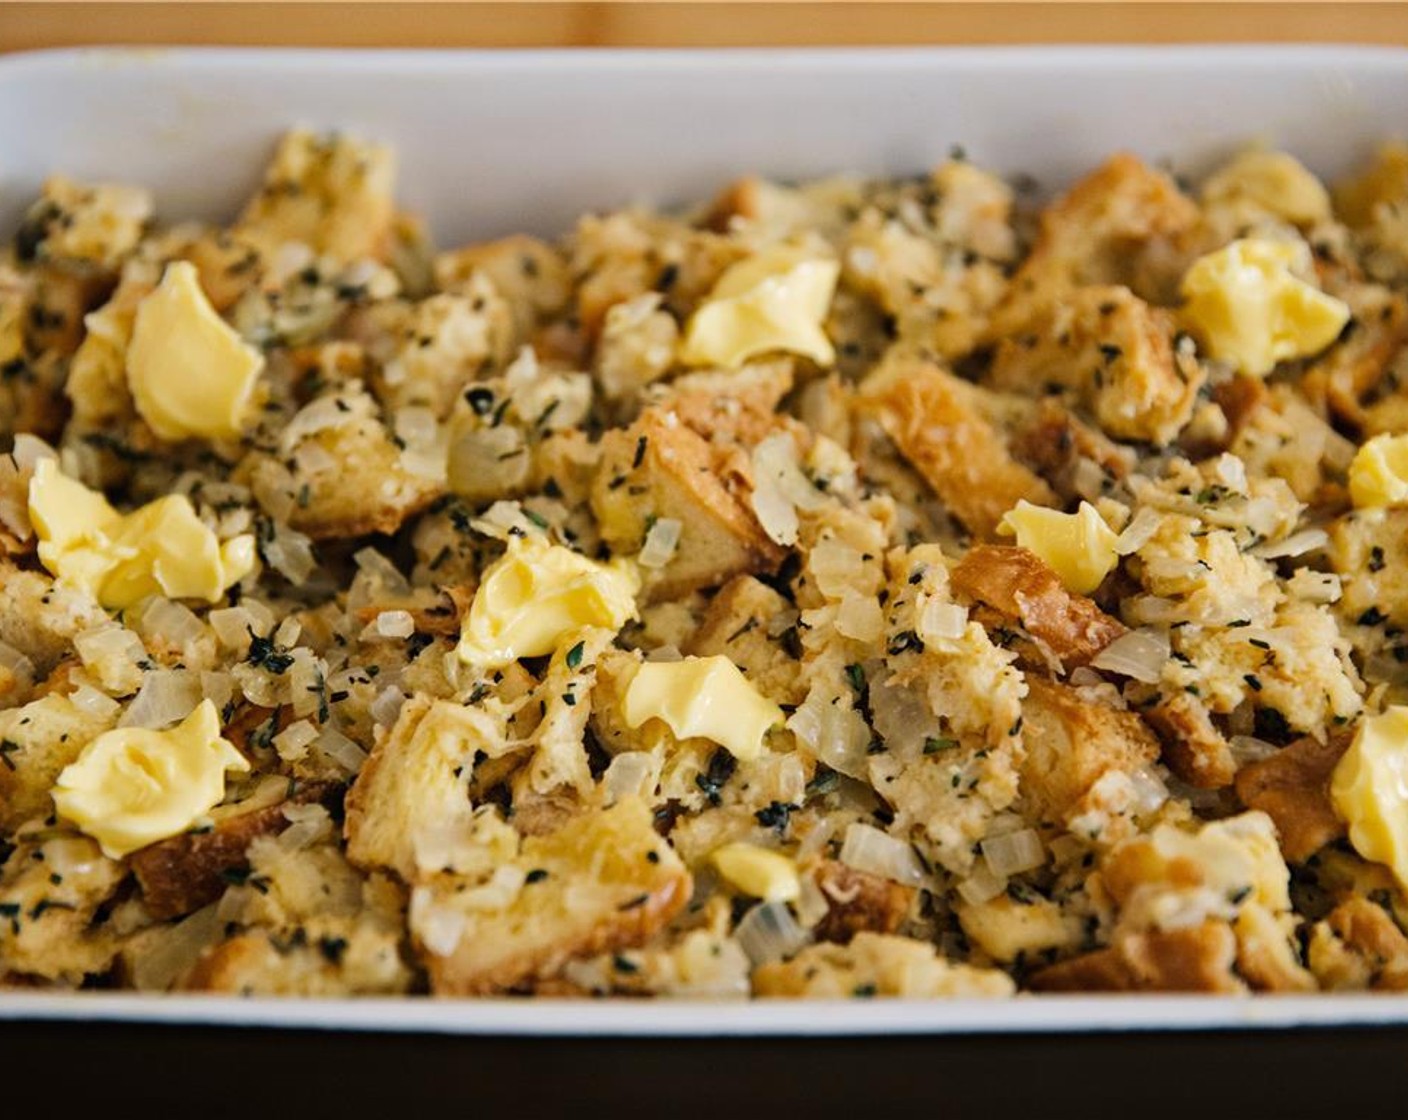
{"x": 132, "y": 787}
{"x": 120, "y": 559}
{"x": 1079, "y": 547}
{"x": 1378, "y": 475}
{"x": 775, "y": 300}
{"x": 702, "y": 697}
{"x": 1248, "y": 307}
{"x": 537, "y": 596}
{"x": 190, "y": 374}
{"x": 1369, "y": 789}
{"x": 759, "y": 872}
{"x": 1274, "y": 181}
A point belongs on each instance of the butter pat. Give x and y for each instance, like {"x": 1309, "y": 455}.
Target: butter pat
{"x": 775, "y": 300}
{"x": 1378, "y": 475}
{"x": 537, "y": 596}
{"x": 190, "y": 374}
{"x": 1247, "y": 306}
{"x": 759, "y": 872}
{"x": 1274, "y": 181}
{"x": 162, "y": 548}
{"x": 702, "y": 697}
{"x": 132, "y": 787}
{"x": 1079, "y": 547}
{"x": 1369, "y": 789}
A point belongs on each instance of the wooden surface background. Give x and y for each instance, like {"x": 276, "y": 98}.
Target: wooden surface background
{"x": 25, "y": 26}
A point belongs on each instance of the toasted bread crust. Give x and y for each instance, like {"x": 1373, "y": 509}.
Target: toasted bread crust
{"x": 933, "y": 418}
{"x": 1015, "y": 582}
{"x": 1292, "y": 788}
{"x": 186, "y": 872}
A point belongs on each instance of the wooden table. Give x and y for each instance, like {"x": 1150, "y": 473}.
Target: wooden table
{"x": 28, "y": 26}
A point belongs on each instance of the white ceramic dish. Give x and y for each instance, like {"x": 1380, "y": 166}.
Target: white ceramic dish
{"x": 495, "y": 142}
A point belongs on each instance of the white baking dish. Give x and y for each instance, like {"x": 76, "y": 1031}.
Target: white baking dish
{"x": 494, "y": 142}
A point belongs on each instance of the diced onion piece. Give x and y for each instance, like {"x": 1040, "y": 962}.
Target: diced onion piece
{"x": 1315, "y": 587}
{"x": 438, "y": 927}
{"x": 167, "y": 696}
{"x": 170, "y": 622}
{"x": 1297, "y": 544}
{"x": 393, "y": 624}
{"x": 877, "y": 853}
{"x": 834, "y": 566}
{"x": 340, "y": 749}
{"x": 981, "y": 885}
{"x": 1014, "y": 852}
{"x": 940, "y": 621}
{"x": 88, "y": 699}
{"x": 860, "y": 618}
{"x": 387, "y": 705}
{"x": 660, "y": 543}
{"x": 1140, "y": 654}
{"x": 217, "y": 687}
{"x": 1248, "y": 748}
{"x": 1138, "y": 532}
{"x": 382, "y": 571}
{"x": 293, "y": 741}
{"x": 631, "y": 774}
{"x": 833, "y": 731}
{"x": 17, "y": 665}
{"x": 769, "y": 932}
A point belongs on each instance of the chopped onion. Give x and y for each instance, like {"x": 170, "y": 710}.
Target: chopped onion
{"x": 1013, "y": 852}
{"x": 940, "y": 621}
{"x": 393, "y": 624}
{"x": 812, "y": 905}
{"x": 860, "y": 618}
{"x": 340, "y": 749}
{"x": 1150, "y": 792}
{"x": 88, "y": 699}
{"x": 173, "y": 623}
{"x": 631, "y": 774}
{"x": 171, "y": 952}
{"x": 503, "y": 521}
{"x": 498, "y": 893}
{"x": 981, "y": 885}
{"x": 769, "y": 932}
{"x": 293, "y": 741}
{"x": 484, "y": 463}
{"x": 1315, "y": 587}
{"x": 387, "y": 705}
{"x": 232, "y": 625}
{"x": 438, "y": 927}
{"x": 1138, "y": 532}
{"x": 20, "y": 667}
{"x": 290, "y": 553}
{"x": 1231, "y": 472}
{"x": 835, "y": 567}
{"x": 832, "y": 731}
{"x": 167, "y": 696}
{"x": 218, "y": 688}
{"x": 868, "y": 849}
{"x": 381, "y": 571}
{"x": 1140, "y": 654}
{"x": 109, "y": 643}
{"x": 307, "y": 825}
{"x": 660, "y": 543}
{"x": 1297, "y": 544}
{"x": 1248, "y": 748}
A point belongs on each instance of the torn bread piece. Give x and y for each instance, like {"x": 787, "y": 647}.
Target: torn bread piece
{"x": 1016, "y": 583}
{"x": 660, "y": 468}
{"x": 603, "y": 882}
{"x": 937, "y": 422}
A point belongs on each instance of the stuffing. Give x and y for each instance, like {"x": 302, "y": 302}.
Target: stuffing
{"x": 851, "y": 588}
{"x": 1117, "y": 357}
{"x": 331, "y": 194}
{"x": 875, "y": 965}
